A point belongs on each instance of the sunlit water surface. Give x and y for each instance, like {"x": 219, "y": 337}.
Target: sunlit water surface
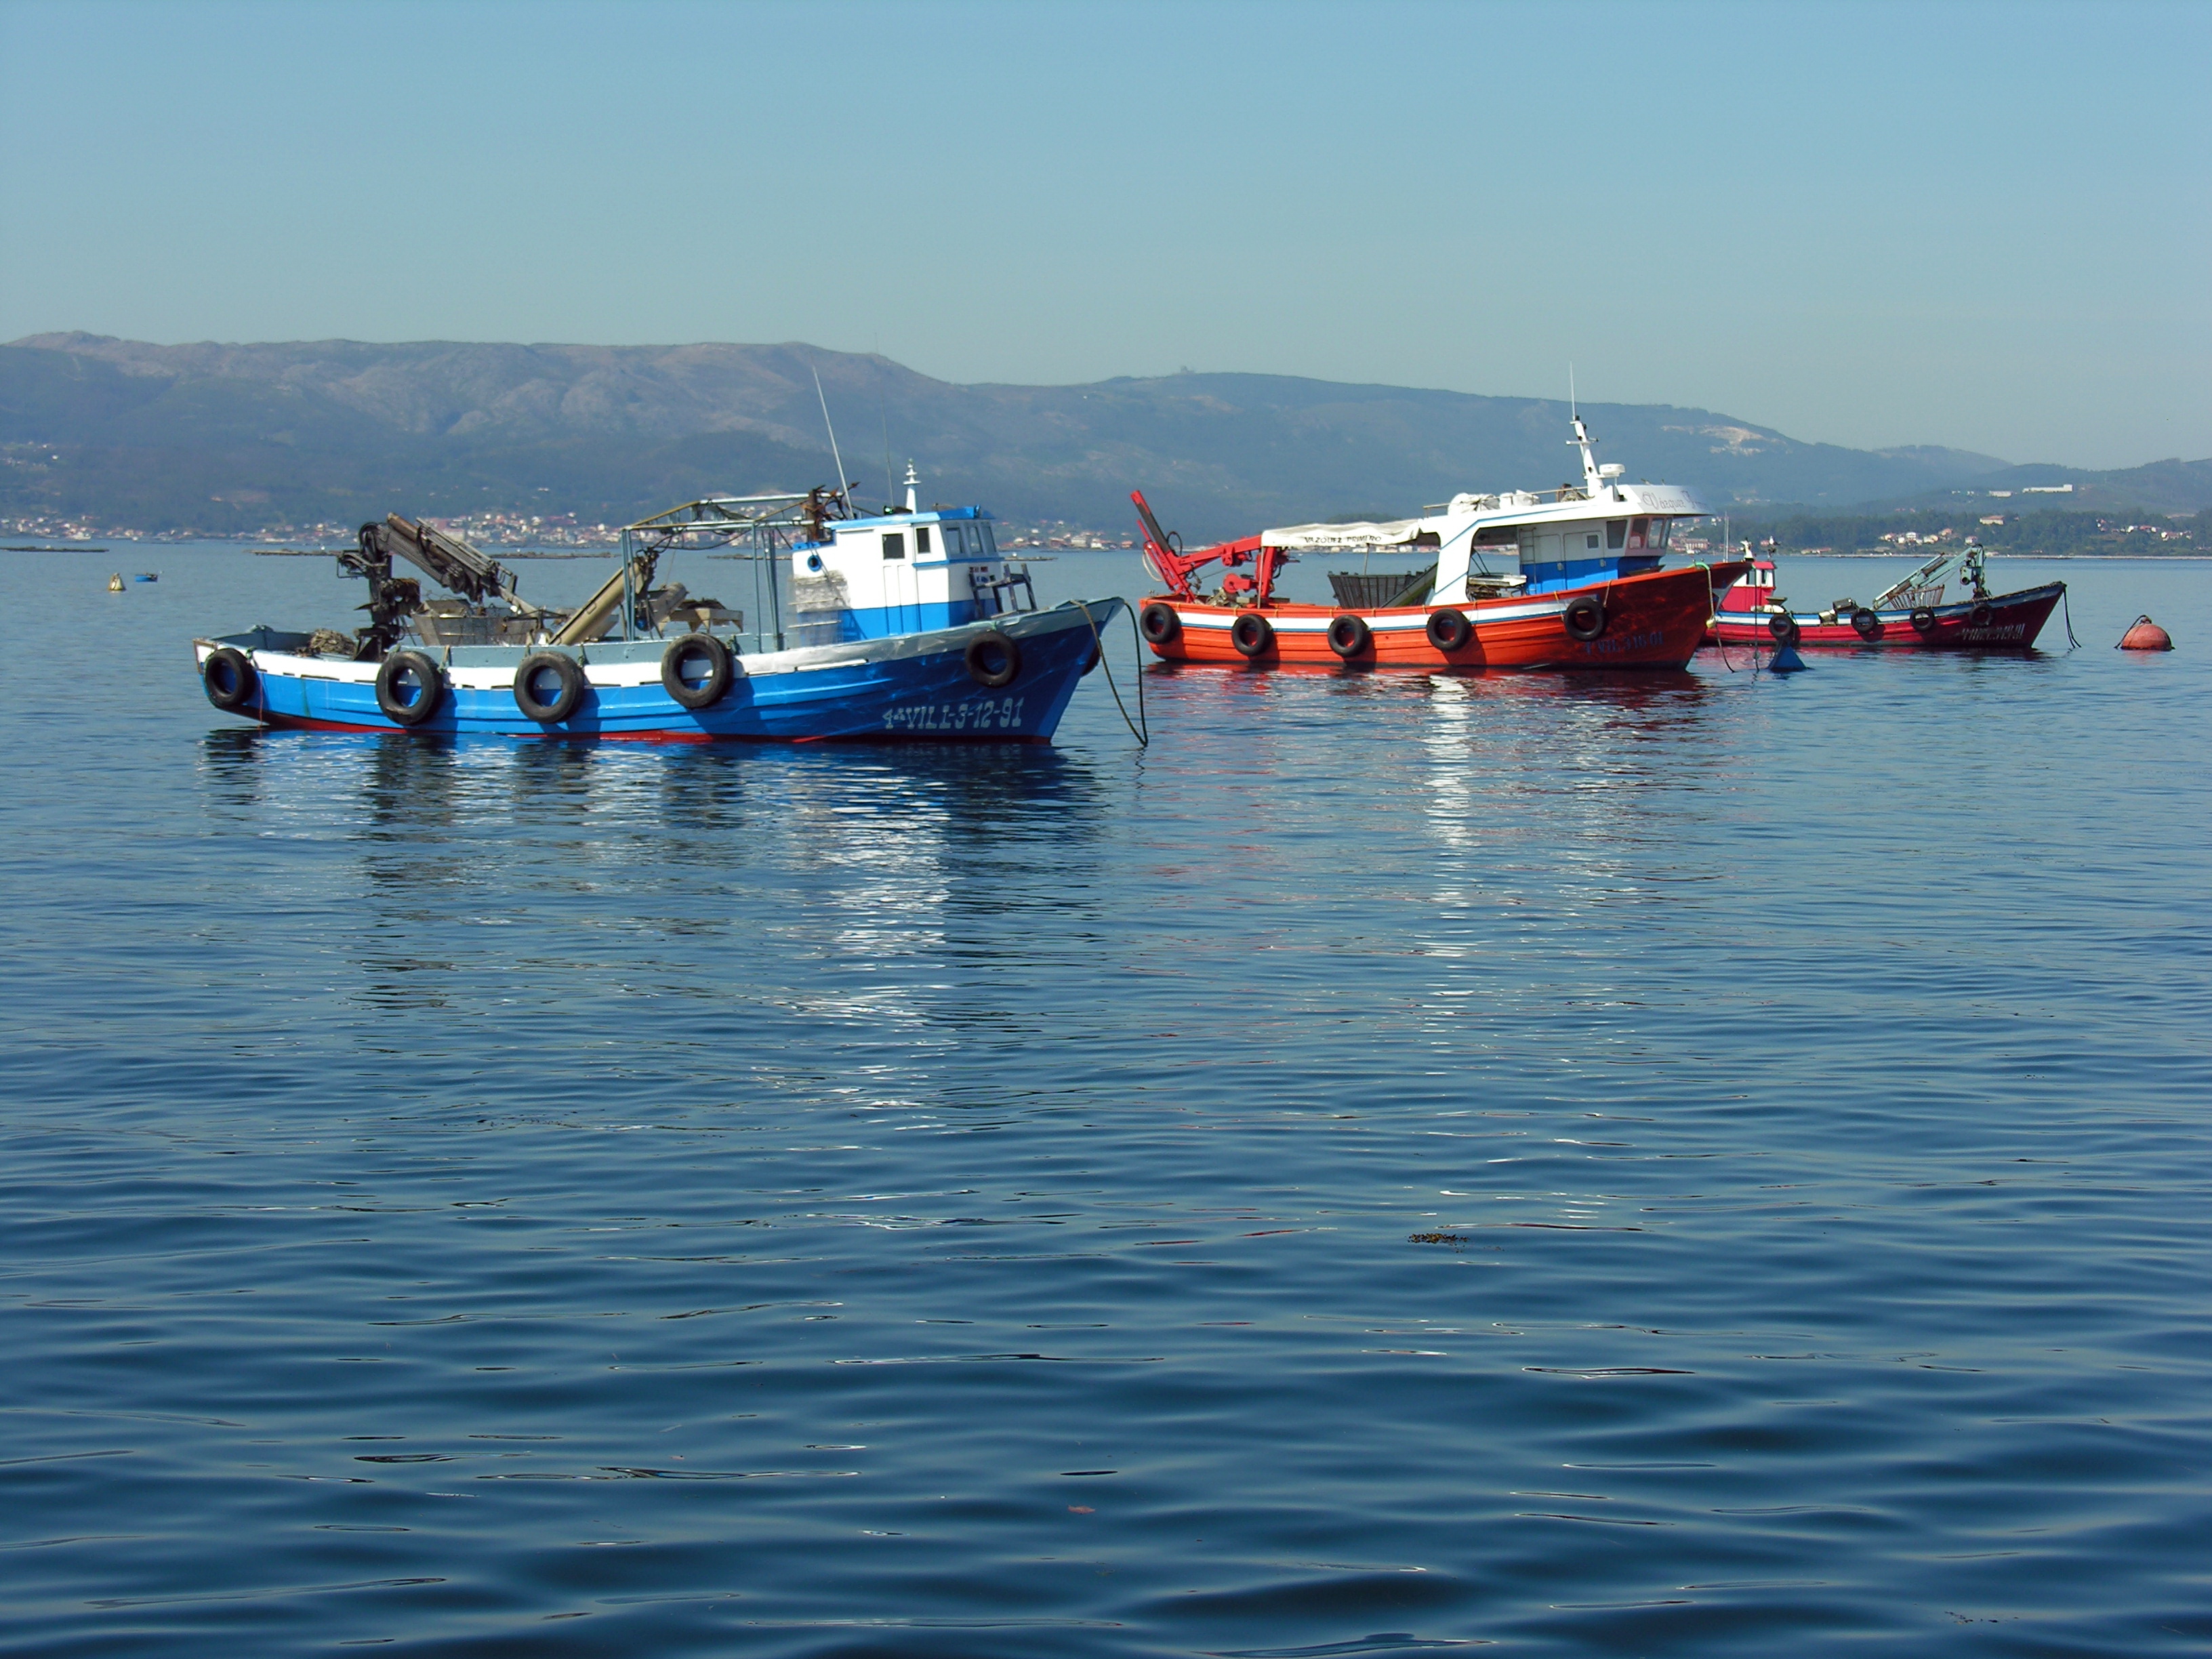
{"x": 1692, "y": 1164}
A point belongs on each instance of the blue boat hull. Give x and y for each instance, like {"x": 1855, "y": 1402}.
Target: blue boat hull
{"x": 915, "y": 686}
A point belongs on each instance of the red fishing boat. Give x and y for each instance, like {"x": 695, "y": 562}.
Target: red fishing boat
{"x": 1915, "y": 613}
{"x": 1589, "y": 590}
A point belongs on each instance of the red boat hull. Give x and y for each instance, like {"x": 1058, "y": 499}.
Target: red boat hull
{"x": 1656, "y": 619}
{"x": 2004, "y": 622}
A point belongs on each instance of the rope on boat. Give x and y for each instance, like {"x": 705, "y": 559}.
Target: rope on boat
{"x": 1144, "y": 734}
{"x": 1713, "y": 616}
{"x": 2066, "y": 601}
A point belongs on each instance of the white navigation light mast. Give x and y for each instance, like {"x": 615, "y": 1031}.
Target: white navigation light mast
{"x": 913, "y": 478}
{"x": 1594, "y": 477}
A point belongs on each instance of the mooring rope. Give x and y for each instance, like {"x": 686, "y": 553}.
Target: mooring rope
{"x": 2066, "y": 600}
{"x": 1144, "y": 736}
{"x": 1713, "y": 616}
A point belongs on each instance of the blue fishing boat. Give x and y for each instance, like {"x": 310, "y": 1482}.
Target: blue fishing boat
{"x": 907, "y": 624}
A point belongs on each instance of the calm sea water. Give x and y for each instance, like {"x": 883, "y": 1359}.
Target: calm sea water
{"x": 1685, "y": 1165}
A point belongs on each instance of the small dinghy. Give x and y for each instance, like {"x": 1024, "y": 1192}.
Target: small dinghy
{"x": 909, "y": 623}
{"x": 1912, "y": 613}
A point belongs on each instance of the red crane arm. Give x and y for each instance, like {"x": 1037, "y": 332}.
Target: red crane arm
{"x": 1164, "y": 553}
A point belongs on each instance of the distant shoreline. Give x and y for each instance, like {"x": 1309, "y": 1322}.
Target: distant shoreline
{"x": 2009, "y": 553}
{"x": 332, "y": 552}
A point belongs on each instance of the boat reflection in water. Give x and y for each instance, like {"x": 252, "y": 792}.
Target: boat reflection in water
{"x": 847, "y": 856}
{"x": 1488, "y": 750}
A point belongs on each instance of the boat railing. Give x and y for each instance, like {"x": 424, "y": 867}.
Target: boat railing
{"x": 997, "y": 596}
{"x": 758, "y": 531}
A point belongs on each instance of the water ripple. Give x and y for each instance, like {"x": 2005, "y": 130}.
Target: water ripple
{"x": 1694, "y": 1163}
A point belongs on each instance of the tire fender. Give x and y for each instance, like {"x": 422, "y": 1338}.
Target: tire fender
{"x": 687, "y": 650}
{"x": 1252, "y": 635}
{"x": 428, "y": 675}
{"x": 230, "y": 679}
{"x": 1449, "y": 630}
{"x": 567, "y": 696}
{"x": 993, "y": 659}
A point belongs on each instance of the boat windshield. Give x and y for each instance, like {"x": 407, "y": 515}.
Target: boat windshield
{"x": 1636, "y": 535}
{"x": 972, "y": 540}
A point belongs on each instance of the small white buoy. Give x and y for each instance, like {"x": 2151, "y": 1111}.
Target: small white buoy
{"x": 115, "y": 583}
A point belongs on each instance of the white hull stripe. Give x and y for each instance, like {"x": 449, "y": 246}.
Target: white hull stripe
{"x": 1221, "y": 625}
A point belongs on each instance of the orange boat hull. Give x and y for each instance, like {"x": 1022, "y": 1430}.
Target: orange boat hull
{"x": 1656, "y": 619}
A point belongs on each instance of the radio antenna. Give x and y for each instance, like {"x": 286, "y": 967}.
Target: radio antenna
{"x": 883, "y": 412}
{"x": 1571, "y": 410}
{"x": 841, "y": 485}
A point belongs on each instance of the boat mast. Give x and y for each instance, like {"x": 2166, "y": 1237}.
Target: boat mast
{"x": 835, "y": 457}
{"x": 1593, "y": 480}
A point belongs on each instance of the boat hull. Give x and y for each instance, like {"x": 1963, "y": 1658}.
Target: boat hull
{"x": 2004, "y": 622}
{"x": 911, "y": 687}
{"x": 1653, "y": 620}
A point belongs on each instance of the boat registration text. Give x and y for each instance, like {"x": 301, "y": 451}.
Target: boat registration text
{"x": 981, "y": 714}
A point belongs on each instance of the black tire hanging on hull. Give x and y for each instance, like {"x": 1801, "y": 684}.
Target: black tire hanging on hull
{"x": 569, "y": 692}
{"x": 1252, "y": 635}
{"x": 994, "y": 660}
{"x": 426, "y": 675}
{"x": 676, "y": 665}
{"x": 230, "y": 678}
{"x": 1448, "y": 630}
{"x": 1584, "y": 617}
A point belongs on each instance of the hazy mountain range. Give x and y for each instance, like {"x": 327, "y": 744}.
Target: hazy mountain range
{"x": 230, "y": 438}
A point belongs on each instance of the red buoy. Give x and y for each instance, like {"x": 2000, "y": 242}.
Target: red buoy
{"x": 2145, "y": 635}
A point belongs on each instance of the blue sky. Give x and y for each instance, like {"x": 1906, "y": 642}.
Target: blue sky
{"x": 1982, "y": 226}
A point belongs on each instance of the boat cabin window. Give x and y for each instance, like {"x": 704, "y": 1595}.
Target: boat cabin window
{"x": 955, "y": 543}
{"x": 921, "y": 541}
{"x": 894, "y": 544}
{"x": 1590, "y": 541}
{"x": 1637, "y": 529}
{"x": 1657, "y": 539}
{"x": 1616, "y": 534}
{"x": 984, "y": 540}
{"x": 1496, "y": 535}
